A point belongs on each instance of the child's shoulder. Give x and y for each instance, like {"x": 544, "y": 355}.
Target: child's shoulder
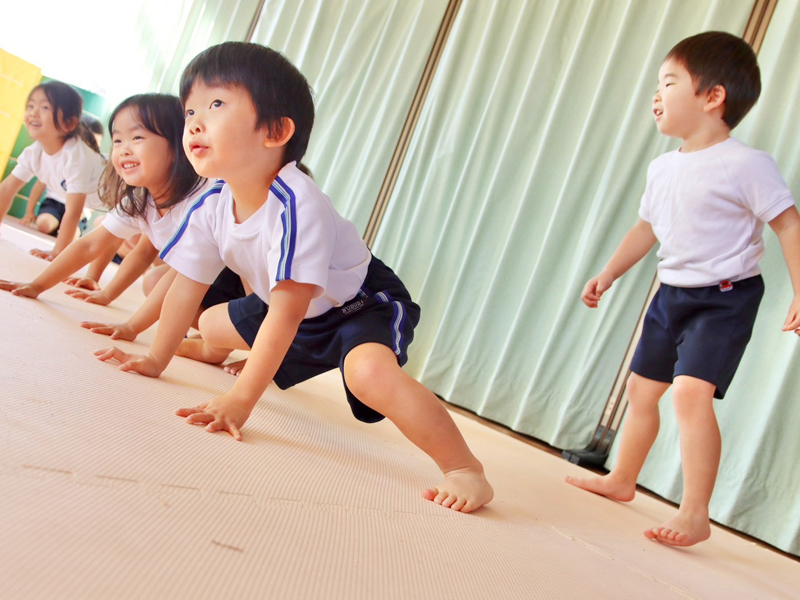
{"x": 291, "y": 182}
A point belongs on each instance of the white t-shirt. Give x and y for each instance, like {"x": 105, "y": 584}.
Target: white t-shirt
{"x": 708, "y": 209}
{"x": 158, "y": 229}
{"x": 295, "y": 235}
{"x": 75, "y": 169}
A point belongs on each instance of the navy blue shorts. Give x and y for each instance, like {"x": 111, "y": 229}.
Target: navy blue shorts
{"x": 57, "y": 209}
{"x": 226, "y": 287}
{"x": 382, "y": 312}
{"x": 701, "y": 332}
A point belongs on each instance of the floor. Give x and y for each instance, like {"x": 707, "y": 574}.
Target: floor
{"x": 104, "y": 493}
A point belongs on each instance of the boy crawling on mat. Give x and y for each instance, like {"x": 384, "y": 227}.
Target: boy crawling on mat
{"x": 320, "y": 300}
{"x": 706, "y": 204}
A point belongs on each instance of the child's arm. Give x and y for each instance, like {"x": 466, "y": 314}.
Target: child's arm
{"x": 67, "y": 228}
{"x": 180, "y": 307}
{"x": 634, "y": 247}
{"x": 73, "y": 258}
{"x": 132, "y": 267}
{"x": 8, "y": 188}
{"x": 30, "y": 210}
{"x": 288, "y": 305}
{"x": 787, "y": 227}
{"x": 91, "y": 280}
{"x": 144, "y": 317}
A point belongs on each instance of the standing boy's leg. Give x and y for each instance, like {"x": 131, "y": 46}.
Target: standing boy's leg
{"x": 700, "y": 451}
{"x": 372, "y": 374}
{"x": 641, "y": 428}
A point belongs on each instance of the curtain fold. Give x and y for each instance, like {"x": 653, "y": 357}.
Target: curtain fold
{"x": 758, "y": 485}
{"x": 364, "y": 60}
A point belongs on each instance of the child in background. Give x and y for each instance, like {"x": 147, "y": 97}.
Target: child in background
{"x": 151, "y": 185}
{"x": 91, "y": 126}
{"x": 64, "y": 157}
{"x": 706, "y": 204}
{"x": 321, "y": 299}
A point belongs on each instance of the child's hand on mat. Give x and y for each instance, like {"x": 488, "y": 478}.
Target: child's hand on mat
{"x": 20, "y": 289}
{"x": 224, "y": 413}
{"x": 142, "y": 364}
{"x": 27, "y": 220}
{"x": 45, "y": 254}
{"x": 792, "y": 322}
{"x": 596, "y": 287}
{"x": 97, "y": 296}
{"x": 86, "y": 283}
{"x": 117, "y": 331}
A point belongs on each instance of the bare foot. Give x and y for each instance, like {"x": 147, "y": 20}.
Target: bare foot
{"x": 235, "y": 368}
{"x": 463, "y": 490}
{"x": 683, "y": 529}
{"x": 197, "y": 349}
{"x": 605, "y": 486}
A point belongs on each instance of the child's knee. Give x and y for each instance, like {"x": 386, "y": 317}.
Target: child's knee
{"x": 368, "y": 368}
{"x": 45, "y": 224}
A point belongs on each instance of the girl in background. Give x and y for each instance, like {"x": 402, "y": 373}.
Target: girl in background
{"x": 64, "y": 157}
{"x": 151, "y": 185}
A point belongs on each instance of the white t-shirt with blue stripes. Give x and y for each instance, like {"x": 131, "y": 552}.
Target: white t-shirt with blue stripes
{"x": 296, "y": 235}
{"x": 158, "y": 229}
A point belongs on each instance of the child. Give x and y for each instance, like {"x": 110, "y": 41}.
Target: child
{"x": 706, "y": 204}
{"x": 63, "y": 156}
{"x": 321, "y": 300}
{"x": 152, "y": 185}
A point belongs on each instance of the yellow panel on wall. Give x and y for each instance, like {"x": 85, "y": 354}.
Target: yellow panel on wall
{"x": 17, "y": 77}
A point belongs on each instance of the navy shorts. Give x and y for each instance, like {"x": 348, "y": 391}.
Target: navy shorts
{"x": 382, "y": 312}
{"x": 226, "y": 287}
{"x": 701, "y": 332}
{"x": 57, "y": 209}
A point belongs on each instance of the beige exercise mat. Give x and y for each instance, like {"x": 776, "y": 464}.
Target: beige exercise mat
{"x": 104, "y": 493}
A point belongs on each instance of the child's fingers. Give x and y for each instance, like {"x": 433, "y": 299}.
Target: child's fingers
{"x": 200, "y": 418}
{"x": 112, "y": 353}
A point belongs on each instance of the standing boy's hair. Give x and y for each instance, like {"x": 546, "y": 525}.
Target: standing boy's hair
{"x": 161, "y": 114}
{"x": 275, "y": 85}
{"x": 718, "y": 58}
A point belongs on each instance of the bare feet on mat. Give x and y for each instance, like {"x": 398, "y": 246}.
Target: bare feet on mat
{"x": 463, "y": 490}
{"x": 604, "y": 486}
{"x": 235, "y": 368}
{"x": 682, "y": 530}
{"x": 197, "y": 349}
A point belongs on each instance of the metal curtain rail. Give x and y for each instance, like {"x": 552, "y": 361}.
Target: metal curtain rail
{"x": 596, "y": 453}
{"x": 389, "y": 180}
{"x": 254, "y": 22}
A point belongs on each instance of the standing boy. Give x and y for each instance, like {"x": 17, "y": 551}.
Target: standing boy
{"x": 706, "y": 204}
{"x": 321, "y": 299}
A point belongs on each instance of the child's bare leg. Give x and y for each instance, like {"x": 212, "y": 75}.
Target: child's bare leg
{"x": 152, "y": 277}
{"x": 218, "y": 337}
{"x": 46, "y": 223}
{"x": 700, "y": 450}
{"x": 641, "y": 428}
{"x": 374, "y": 377}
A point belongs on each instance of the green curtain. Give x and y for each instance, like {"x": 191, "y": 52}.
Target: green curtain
{"x": 525, "y": 172}
{"x": 364, "y": 60}
{"x": 758, "y": 485}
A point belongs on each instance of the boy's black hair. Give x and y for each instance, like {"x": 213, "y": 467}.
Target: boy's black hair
{"x": 276, "y": 86}
{"x": 161, "y": 114}
{"x": 719, "y": 58}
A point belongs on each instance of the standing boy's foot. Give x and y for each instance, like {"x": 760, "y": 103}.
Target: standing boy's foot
{"x": 682, "y": 530}
{"x": 197, "y": 349}
{"x": 463, "y": 490}
{"x": 604, "y": 486}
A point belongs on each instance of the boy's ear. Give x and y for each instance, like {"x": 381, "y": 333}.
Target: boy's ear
{"x": 715, "y": 98}
{"x": 281, "y": 133}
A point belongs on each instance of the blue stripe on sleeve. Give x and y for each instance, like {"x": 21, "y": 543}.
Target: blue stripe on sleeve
{"x": 215, "y": 189}
{"x": 289, "y": 220}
